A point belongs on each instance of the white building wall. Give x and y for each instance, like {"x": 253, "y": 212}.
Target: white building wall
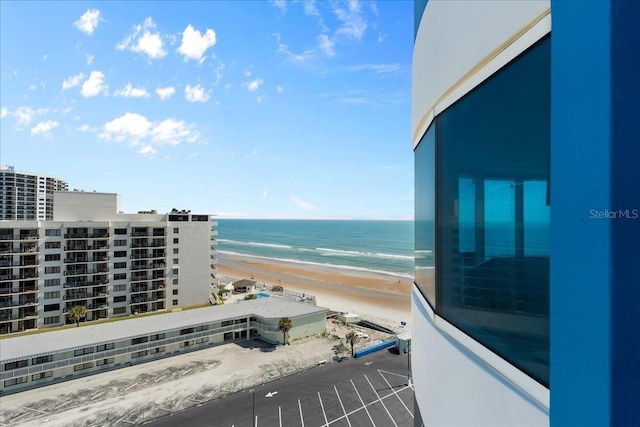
{"x": 455, "y": 387}
{"x": 194, "y": 262}
{"x": 453, "y": 38}
{"x": 81, "y": 205}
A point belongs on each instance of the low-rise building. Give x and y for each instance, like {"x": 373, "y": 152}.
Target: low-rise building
{"x": 39, "y": 359}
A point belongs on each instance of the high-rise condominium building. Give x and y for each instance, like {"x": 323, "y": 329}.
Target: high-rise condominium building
{"x": 27, "y": 196}
{"x": 111, "y": 263}
{"x": 527, "y": 213}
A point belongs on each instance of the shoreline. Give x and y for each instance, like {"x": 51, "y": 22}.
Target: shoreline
{"x": 380, "y": 297}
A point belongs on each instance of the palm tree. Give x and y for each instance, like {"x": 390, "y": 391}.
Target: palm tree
{"x": 76, "y": 313}
{"x": 351, "y": 338}
{"x": 285, "y": 325}
{"x": 250, "y": 296}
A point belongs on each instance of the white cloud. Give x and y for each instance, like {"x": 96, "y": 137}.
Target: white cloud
{"x": 24, "y": 115}
{"x": 94, "y": 85}
{"x": 132, "y": 92}
{"x": 144, "y": 39}
{"x": 252, "y": 86}
{"x": 89, "y": 58}
{"x": 148, "y": 151}
{"x": 196, "y": 94}
{"x": 265, "y": 194}
{"x": 72, "y": 81}
{"x": 44, "y": 128}
{"x": 194, "y": 44}
{"x": 218, "y": 72}
{"x": 378, "y": 68}
{"x": 280, "y": 4}
{"x": 301, "y": 203}
{"x": 247, "y": 73}
{"x": 44, "y": 58}
{"x": 89, "y": 21}
{"x": 84, "y": 128}
{"x": 137, "y": 130}
{"x": 131, "y": 126}
{"x": 165, "y": 92}
{"x": 280, "y": 89}
{"x": 326, "y": 45}
{"x": 310, "y": 8}
{"x": 4, "y": 112}
{"x": 353, "y": 24}
{"x": 173, "y": 132}
{"x": 296, "y": 57}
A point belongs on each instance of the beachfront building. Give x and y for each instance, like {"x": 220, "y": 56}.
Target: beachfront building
{"x": 527, "y": 213}
{"x": 38, "y": 359}
{"x": 27, "y": 196}
{"x": 110, "y": 263}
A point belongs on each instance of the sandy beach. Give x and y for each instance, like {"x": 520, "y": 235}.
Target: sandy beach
{"x": 384, "y": 298}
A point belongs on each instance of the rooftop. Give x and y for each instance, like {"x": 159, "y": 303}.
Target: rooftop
{"x": 55, "y": 341}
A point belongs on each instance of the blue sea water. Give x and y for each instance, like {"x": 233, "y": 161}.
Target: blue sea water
{"x": 381, "y": 246}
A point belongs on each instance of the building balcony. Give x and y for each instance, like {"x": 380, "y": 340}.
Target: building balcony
{"x": 87, "y": 295}
{"x": 18, "y": 237}
{"x": 76, "y": 236}
{"x": 79, "y": 248}
{"x": 13, "y": 317}
{"x": 21, "y": 263}
{"x": 150, "y": 266}
{"x": 23, "y": 290}
{"x": 16, "y": 304}
{"x": 77, "y": 260}
{"x": 20, "y": 250}
{"x": 86, "y": 284}
{"x": 25, "y": 276}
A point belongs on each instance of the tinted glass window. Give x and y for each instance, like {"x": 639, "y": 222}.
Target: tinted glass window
{"x": 493, "y": 212}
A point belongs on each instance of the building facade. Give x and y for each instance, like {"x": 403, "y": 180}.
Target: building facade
{"x": 27, "y": 196}
{"x": 38, "y": 359}
{"x": 111, "y": 263}
{"x": 527, "y": 207}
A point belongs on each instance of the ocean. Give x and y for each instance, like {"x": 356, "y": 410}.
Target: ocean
{"x": 378, "y": 246}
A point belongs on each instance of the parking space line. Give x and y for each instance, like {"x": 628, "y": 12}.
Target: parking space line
{"x": 363, "y": 404}
{"x": 381, "y": 401}
{"x": 394, "y": 392}
{"x": 280, "y": 415}
{"x": 301, "y": 418}
{"x": 345, "y": 412}
{"x": 323, "y": 413}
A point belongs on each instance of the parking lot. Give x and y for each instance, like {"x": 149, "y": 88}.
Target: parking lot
{"x": 371, "y": 391}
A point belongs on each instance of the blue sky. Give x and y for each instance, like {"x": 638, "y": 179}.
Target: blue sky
{"x": 258, "y": 109}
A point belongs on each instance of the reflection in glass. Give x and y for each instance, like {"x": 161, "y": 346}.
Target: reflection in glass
{"x": 492, "y": 218}
{"x": 424, "y": 221}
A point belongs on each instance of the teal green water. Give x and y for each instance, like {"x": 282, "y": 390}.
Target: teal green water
{"x": 381, "y": 246}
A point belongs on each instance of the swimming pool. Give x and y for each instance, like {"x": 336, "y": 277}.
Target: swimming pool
{"x": 262, "y": 295}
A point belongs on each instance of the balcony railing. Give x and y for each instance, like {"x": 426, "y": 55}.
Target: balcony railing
{"x": 19, "y": 237}
{"x": 76, "y": 236}
{"x": 21, "y": 316}
{"x": 21, "y": 250}
{"x": 13, "y": 304}
{"x": 19, "y": 276}
{"x": 19, "y": 263}
{"x": 72, "y": 297}
{"x": 5, "y": 291}
{"x": 86, "y": 284}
